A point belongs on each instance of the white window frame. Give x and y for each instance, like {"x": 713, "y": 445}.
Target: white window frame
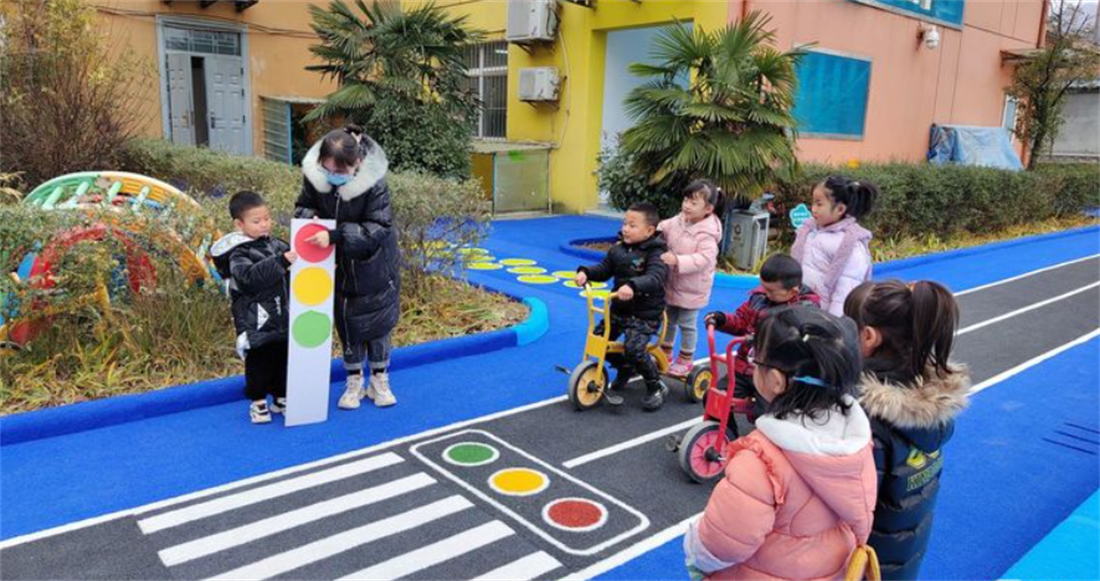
{"x": 481, "y": 72}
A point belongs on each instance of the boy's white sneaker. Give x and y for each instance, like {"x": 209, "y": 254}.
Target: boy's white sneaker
{"x": 258, "y": 412}
{"x": 353, "y": 392}
{"x": 278, "y": 405}
{"x": 380, "y": 391}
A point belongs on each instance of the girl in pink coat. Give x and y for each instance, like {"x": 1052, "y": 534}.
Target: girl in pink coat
{"x": 799, "y": 492}
{"x": 832, "y": 247}
{"x": 692, "y": 236}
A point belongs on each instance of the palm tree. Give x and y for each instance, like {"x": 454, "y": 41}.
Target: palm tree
{"x": 717, "y": 105}
{"x": 382, "y": 52}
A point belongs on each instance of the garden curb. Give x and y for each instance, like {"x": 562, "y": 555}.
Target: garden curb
{"x": 79, "y": 417}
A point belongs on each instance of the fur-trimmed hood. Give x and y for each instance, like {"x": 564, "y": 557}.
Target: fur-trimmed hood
{"x": 370, "y": 172}
{"x": 921, "y": 410}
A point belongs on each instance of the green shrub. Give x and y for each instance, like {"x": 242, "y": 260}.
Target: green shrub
{"x": 922, "y": 200}
{"x": 619, "y": 177}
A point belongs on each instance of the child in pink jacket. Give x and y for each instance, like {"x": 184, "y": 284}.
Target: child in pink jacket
{"x": 692, "y": 236}
{"x": 832, "y": 247}
{"x": 799, "y": 492}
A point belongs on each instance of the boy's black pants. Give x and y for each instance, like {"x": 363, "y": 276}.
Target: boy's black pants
{"x": 635, "y": 358}
{"x": 265, "y": 370}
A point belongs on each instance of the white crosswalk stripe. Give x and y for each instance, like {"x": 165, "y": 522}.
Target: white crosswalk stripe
{"x": 532, "y": 566}
{"x": 434, "y": 553}
{"x": 347, "y": 540}
{"x": 264, "y": 493}
{"x": 269, "y": 526}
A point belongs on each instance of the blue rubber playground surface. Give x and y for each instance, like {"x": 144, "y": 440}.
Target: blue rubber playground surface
{"x": 1018, "y": 497}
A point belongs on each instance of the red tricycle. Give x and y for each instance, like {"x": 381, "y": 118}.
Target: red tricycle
{"x": 702, "y": 450}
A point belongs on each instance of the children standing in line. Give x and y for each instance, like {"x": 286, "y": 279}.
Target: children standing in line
{"x": 780, "y": 286}
{"x": 912, "y": 392}
{"x": 798, "y": 493}
{"x": 832, "y": 247}
{"x": 345, "y": 180}
{"x": 256, "y": 265}
{"x": 638, "y": 303}
{"x": 693, "y": 237}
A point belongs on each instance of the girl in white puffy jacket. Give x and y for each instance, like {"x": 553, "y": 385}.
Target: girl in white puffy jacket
{"x": 832, "y": 247}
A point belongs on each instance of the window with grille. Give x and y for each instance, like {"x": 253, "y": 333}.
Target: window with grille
{"x": 487, "y": 67}
{"x": 202, "y": 41}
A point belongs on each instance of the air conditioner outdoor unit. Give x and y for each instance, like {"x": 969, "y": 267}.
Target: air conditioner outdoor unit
{"x": 532, "y": 21}
{"x": 538, "y": 84}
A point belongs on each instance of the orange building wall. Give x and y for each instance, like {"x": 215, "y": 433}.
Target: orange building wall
{"x": 279, "y": 38}
{"x": 962, "y": 82}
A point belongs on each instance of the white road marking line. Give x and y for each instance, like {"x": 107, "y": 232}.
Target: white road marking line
{"x": 347, "y": 540}
{"x": 224, "y": 540}
{"x": 1032, "y": 307}
{"x": 633, "y": 551}
{"x": 139, "y": 510}
{"x": 435, "y": 553}
{"x": 264, "y": 493}
{"x": 1033, "y": 362}
{"x": 610, "y": 450}
{"x": 530, "y": 567}
{"x": 1024, "y": 275}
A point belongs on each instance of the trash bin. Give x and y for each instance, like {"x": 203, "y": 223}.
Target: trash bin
{"x": 746, "y": 234}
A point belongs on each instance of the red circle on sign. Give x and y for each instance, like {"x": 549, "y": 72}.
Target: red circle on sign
{"x": 575, "y": 514}
{"x": 310, "y": 252}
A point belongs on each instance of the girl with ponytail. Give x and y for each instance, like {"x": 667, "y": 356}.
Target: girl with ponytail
{"x": 912, "y": 392}
{"x": 798, "y": 493}
{"x": 832, "y": 247}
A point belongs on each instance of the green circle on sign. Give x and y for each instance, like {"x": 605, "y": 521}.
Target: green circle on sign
{"x": 311, "y": 329}
{"x": 470, "y": 454}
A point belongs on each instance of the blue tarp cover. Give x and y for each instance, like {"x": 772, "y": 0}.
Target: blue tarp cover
{"x": 968, "y": 145}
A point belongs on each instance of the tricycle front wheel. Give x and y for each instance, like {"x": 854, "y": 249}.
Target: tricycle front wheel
{"x": 587, "y": 385}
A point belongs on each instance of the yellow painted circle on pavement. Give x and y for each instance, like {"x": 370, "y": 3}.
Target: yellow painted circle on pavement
{"x": 472, "y": 251}
{"x": 566, "y": 274}
{"x": 527, "y": 270}
{"x": 480, "y": 258}
{"x": 598, "y": 293}
{"x": 484, "y": 266}
{"x": 538, "y": 279}
{"x": 518, "y": 262}
{"x": 519, "y": 481}
{"x": 312, "y": 286}
{"x": 571, "y": 284}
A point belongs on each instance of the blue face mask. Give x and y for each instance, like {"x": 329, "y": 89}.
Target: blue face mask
{"x": 337, "y": 179}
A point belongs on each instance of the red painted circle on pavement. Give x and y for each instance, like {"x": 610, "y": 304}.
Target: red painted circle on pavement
{"x": 310, "y": 252}
{"x": 575, "y": 514}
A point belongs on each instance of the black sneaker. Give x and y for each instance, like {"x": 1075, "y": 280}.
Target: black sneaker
{"x": 655, "y": 397}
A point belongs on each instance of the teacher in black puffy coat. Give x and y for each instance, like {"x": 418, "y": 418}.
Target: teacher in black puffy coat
{"x": 344, "y": 178}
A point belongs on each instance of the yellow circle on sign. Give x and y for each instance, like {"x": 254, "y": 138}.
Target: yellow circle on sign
{"x": 538, "y": 279}
{"x": 566, "y": 274}
{"x": 518, "y": 262}
{"x": 312, "y": 286}
{"x": 527, "y": 270}
{"x": 484, "y": 266}
{"x": 519, "y": 481}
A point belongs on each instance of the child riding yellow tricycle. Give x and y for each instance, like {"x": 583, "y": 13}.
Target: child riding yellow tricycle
{"x": 590, "y": 380}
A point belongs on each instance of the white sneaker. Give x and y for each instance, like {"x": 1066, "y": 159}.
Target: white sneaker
{"x": 379, "y": 390}
{"x": 353, "y": 392}
{"x": 258, "y": 412}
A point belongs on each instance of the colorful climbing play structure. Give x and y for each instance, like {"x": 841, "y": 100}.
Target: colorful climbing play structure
{"x": 174, "y": 226}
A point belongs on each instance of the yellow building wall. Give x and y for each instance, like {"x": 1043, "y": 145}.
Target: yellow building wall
{"x": 572, "y": 126}
{"x": 279, "y": 38}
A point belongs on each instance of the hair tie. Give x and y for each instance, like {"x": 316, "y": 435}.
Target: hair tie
{"x": 810, "y": 381}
